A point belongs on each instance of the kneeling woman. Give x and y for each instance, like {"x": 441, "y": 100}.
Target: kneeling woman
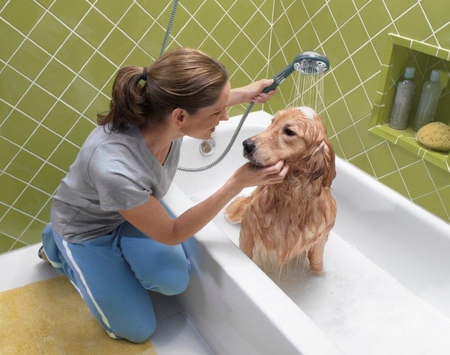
{"x": 109, "y": 233}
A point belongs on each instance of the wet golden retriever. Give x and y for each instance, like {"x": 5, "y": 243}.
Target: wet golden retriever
{"x": 282, "y": 222}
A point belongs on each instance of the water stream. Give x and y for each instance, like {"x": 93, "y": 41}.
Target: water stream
{"x": 308, "y": 90}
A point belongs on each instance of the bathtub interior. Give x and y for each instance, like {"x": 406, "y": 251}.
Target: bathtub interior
{"x": 386, "y": 283}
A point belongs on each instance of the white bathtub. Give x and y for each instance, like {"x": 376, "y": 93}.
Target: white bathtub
{"x": 385, "y": 289}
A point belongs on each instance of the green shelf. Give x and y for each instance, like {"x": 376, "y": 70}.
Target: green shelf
{"x": 407, "y": 139}
{"x": 402, "y": 52}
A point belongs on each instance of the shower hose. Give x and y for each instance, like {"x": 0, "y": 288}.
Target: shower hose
{"x": 241, "y": 122}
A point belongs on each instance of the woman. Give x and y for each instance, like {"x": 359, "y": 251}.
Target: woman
{"x": 109, "y": 233}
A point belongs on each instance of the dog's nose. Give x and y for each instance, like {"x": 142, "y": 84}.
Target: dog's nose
{"x": 249, "y": 145}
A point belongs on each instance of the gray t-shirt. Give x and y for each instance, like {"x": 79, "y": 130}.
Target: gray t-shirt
{"x": 113, "y": 171}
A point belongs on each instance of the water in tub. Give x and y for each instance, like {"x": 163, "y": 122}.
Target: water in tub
{"x": 363, "y": 309}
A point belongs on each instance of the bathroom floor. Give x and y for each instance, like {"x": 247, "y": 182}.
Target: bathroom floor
{"x": 174, "y": 333}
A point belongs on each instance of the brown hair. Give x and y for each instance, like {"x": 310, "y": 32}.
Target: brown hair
{"x": 181, "y": 78}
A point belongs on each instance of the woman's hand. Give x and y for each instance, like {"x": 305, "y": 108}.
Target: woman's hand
{"x": 252, "y": 92}
{"x": 250, "y": 175}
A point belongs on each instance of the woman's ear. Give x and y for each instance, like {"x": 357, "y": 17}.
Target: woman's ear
{"x": 179, "y": 117}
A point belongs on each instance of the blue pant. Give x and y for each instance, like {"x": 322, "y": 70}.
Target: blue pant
{"x": 112, "y": 273}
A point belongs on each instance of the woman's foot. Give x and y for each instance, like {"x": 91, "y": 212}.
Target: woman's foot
{"x": 41, "y": 254}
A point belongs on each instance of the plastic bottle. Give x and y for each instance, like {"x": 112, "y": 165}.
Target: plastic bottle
{"x": 403, "y": 100}
{"x": 429, "y": 98}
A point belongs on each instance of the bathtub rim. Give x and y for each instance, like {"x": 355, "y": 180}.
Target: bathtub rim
{"x": 255, "y": 286}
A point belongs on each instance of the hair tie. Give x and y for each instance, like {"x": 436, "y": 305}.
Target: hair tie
{"x": 144, "y": 74}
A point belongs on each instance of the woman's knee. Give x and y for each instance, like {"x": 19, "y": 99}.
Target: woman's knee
{"x": 140, "y": 334}
{"x": 135, "y": 324}
{"x": 170, "y": 282}
{"x": 136, "y": 334}
{"x": 175, "y": 286}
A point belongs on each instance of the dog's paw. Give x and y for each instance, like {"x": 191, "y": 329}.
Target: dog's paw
{"x": 235, "y": 210}
{"x": 231, "y": 220}
{"x": 317, "y": 273}
{"x": 316, "y": 269}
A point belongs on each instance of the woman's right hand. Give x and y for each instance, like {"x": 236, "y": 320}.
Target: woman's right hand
{"x": 251, "y": 175}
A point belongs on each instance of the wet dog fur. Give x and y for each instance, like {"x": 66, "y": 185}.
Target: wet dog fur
{"x": 283, "y": 222}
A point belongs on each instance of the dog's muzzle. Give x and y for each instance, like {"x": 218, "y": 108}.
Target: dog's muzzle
{"x": 249, "y": 148}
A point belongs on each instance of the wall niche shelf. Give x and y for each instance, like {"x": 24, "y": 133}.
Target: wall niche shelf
{"x": 402, "y": 52}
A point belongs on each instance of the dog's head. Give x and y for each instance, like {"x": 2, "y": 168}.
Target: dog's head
{"x": 298, "y": 136}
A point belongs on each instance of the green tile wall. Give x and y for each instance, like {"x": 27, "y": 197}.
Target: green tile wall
{"x": 58, "y": 59}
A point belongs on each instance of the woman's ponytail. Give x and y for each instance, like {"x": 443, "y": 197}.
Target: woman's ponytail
{"x": 128, "y": 102}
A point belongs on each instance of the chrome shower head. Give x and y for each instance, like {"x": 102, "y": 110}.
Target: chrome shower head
{"x": 308, "y": 63}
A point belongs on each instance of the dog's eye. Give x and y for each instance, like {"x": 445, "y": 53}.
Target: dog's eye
{"x": 289, "y": 132}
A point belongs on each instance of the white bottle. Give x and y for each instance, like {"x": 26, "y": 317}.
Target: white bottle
{"x": 404, "y": 97}
{"x": 429, "y": 98}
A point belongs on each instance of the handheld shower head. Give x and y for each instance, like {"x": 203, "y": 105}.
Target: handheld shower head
{"x": 311, "y": 63}
{"x": 308, "y": 63}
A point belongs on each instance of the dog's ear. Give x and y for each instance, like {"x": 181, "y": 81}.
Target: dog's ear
{"x": 322, "y": 164}
{"x": 329, "y": 157}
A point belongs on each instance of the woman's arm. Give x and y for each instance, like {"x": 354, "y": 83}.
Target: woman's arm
{"x": 153, "y": 220}
{"x": 252, "y": 92}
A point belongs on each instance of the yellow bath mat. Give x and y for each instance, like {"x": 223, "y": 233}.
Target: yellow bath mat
{"x": 49, "y": 317}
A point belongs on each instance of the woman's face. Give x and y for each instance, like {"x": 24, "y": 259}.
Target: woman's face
{"x": 202, "y": 124}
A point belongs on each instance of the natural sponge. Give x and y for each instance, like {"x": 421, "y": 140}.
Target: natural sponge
{"x": 435, "y": 135}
